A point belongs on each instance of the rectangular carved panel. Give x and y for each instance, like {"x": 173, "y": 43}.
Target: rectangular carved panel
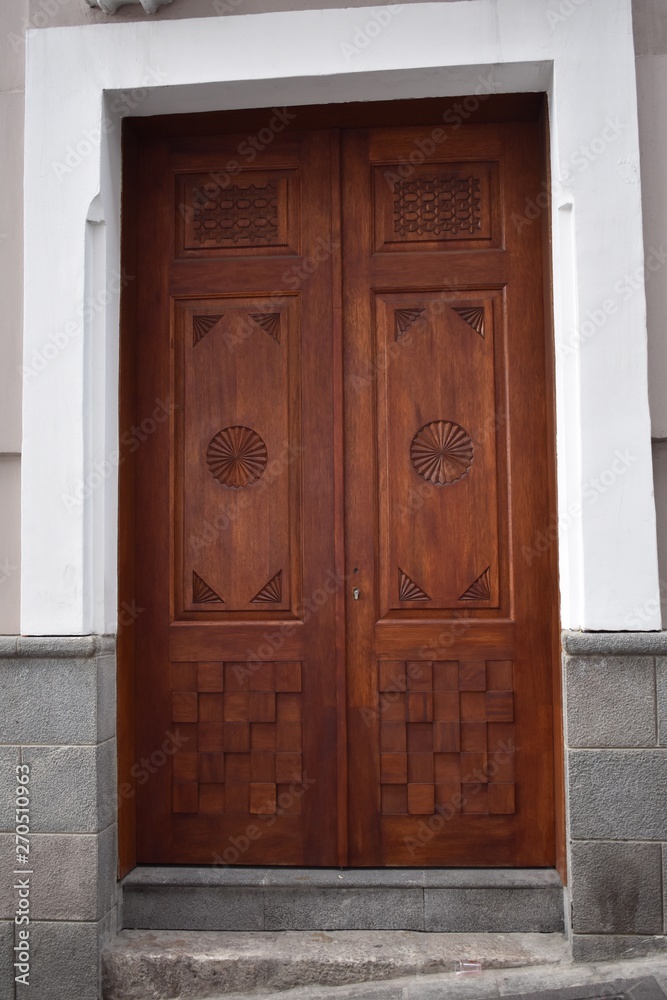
{"x": 238, "y": 449}
{"x": 243, "y": 748}
{"x": 422, "y": 207}
{"x": 252, "y": 212}
{"x": 440, "y": 450}
{"x": 446, "y": 737}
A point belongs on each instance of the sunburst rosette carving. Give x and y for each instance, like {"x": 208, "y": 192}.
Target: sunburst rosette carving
{"x": 236, "y": 456}
{"x": 441, "y": 452}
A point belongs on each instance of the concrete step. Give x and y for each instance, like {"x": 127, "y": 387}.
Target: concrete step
{"x": 280, "y": 899}
{"x": 163, "y": 965}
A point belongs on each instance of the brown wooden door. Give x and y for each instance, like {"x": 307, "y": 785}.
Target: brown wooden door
{"x": 344, "y": 641}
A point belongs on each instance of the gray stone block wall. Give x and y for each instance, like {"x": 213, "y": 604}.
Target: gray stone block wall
{"x": 616, "y": 744}
{"x": 57, "y": 715}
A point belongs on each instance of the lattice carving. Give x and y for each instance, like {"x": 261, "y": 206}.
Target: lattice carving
{"x": 243, "y": 748}
{"x": 446, "y": 737}
{"x": 271, "y": 592}
{"x": 201, "y": 325}
{"x": 403, "y": 320}
{"x": 441, "y": 452}
{"x": 480, "y": 590}
{"x": 408, "y": 589}
{"x": 473, "y": 316}
{"x": 202, "y": 593}
{"x": 236, "y": 456}
{"x": 235, "y": 216}
{"x": 270, "y": 322}
{"x": 437, "y": 206}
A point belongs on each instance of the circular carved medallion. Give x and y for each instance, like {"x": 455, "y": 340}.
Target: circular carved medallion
{"x": 236, "y": 456}
{"x": 441, "y": 452}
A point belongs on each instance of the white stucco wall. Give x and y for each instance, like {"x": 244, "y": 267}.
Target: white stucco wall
{"x": 608, "y": 571}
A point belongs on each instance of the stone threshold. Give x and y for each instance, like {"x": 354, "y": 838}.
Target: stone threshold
{"x": 282, "y": 899}
{"x": 142, "y": 965}
{"x": 56, "y": 647}
{"x": 614, "y": 643}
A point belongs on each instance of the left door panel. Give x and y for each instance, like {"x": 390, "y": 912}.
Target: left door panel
{"x": 235, "y": 496}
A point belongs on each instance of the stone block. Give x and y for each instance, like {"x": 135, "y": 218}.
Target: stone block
{"x": 610, "y": 701}
{"x": 343, "y": 909}
{"x": 6, "y": 960}
{"x": 615, "y": 947}
{"x": 182, "y": 908}
{"x": 9, "y": 758}
{"x": 618, "y": 794}
{"x": 106, "y": 698}
{"x": 48, "y": 701}
{"x": 73, "y": 875}
{"x": 64, "y": 962}
{"x": 72, "y": 787}
{"x": 616, "y": 888}
{"x": 661, "y": 692}
{"x": 508, "y": 911}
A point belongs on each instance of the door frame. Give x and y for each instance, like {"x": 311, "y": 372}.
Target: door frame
{"x": 429, "y": 112}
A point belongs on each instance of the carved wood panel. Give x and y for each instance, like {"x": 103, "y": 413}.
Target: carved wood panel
{"x": 238, "y": 452}
{"x": 440, "y": 477}
{"x": 252, "y": 212}
{"x": 446, "y": 737}
{"x": 242, "y": 740}
{"x": 424, "y": 206}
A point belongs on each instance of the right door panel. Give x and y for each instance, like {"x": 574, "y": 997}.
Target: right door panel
{"x": 450, "y": 643}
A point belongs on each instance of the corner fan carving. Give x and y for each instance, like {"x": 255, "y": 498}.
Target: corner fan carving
{"x": 236, "y": 456}
{"x": 441, "y": 452}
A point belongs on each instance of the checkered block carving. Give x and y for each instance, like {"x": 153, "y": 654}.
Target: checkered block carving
{"x": 446, "y": 737}
{"x": 243, "y": 743}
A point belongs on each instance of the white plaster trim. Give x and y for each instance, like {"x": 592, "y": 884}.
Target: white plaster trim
{"x": 81, "y": 80}
{"x": 111, "y": 6}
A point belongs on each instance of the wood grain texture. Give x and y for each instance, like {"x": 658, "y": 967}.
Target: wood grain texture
{"x": 414, "y": 725}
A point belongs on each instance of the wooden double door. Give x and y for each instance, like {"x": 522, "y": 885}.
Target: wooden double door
{"x": 344, "y": 651}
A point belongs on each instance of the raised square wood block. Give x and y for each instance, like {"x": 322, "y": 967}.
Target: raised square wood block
{"x": 473, "y": 706}
{"x": 500, "y": 706}
{"x": 419, "y": 675}
{"x": 237, "y": 767}
{"x": 499, "y": 675}
{"x": 262, "y": 706}
{"x": 446, "y": 737}
{"x": 263, "y": 736}
{"x": 446, "y": 706}
{"x": 447, "y": 768}
{"x": 237, "y": 706}
{"x": 393, "y": 737}
{"x": 236, "y": 737}
{"x": 211, "y": 798}
{"x": 420, "y": 707}
{"x": 262, "y": 766}
{"x": 501, "y": 767}
{"x": 448, "y": 797}
{"x": 184, "y": 706}
{"x": 446, "y": 675}
{"x": 393, "y": 707}
{"x": 211, "y": 737}
{"x": 394, "y": 767}
{"x": 475, "y": 800}
{"x": 288, "y": 676}
{"x": 186, "y": 767}
{"x": 472, "y": 675}
{"x": 420, "y": 768}
{"x": 288, "y": 707}
{"x": 473, "y": 736}
{"x": 262, "y": 677}
{"x": 288, "y": 736}
{"x": 420, "y": 737}
{"x": 211, "y": 707}
{"x": 211, "y": 767}
{"x": 237, "y": 677}
{"x": 421, "y": 800}
{"x": 263, "y": 798}
{"x": 210, "y": 677}
{"x": 474, "y": 768}
{"x": 394, "y": 800}
{"x": 502, "y": 799}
